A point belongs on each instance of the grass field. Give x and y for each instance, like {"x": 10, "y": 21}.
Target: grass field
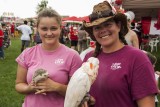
{"x": 8, "y": 96}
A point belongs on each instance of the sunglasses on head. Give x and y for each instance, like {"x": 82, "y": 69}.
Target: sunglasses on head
{"x": 101, "y": 14}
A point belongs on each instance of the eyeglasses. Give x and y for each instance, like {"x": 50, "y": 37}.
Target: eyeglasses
{"x": 100, "y": 14}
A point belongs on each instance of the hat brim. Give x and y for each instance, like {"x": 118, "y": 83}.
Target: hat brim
{"x": 88, "y": 25}
{"x": 97, "y": 22}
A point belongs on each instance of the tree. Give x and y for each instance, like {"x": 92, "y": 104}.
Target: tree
{"x": 42, "y": 6}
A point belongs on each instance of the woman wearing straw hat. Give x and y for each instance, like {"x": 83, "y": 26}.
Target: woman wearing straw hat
{"x": 125, "y": 77}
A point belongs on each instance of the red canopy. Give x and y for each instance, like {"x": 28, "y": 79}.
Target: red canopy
{"x": 74, "y": 18}
{"x": 85, "y": 18}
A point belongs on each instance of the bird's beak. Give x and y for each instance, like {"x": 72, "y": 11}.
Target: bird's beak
{"x": 91, "y": 66}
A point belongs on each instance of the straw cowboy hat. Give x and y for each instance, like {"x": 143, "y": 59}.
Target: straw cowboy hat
{"x": 101, "y": 13}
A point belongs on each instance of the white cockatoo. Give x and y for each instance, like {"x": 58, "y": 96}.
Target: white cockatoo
{"x": 39, "y": 75}
{"x": 80, "y": 83}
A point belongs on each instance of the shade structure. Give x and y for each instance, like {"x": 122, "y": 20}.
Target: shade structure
{"x": 142, "y": 4}
{"x": 76, "y": 19}
{"x": 85, "y": 18}
{"x": 73, "y": 18}
{"x": 142, "y": 8}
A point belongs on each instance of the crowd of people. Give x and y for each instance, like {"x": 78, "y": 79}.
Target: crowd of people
{"x": 5, "y": 42}
{"x": 126, "y": 75}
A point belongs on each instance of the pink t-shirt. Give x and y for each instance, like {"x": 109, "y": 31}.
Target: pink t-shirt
{"x": 60, "y": 64}
{"x": 123, "y": 77}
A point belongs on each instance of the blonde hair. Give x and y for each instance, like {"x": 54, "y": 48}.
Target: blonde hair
{"x": 48, "y": 12}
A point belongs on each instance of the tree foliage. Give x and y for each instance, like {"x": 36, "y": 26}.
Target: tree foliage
{"x": 42, "y": 6}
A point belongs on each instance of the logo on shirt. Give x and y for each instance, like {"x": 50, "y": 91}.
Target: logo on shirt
{"x": 116, "y": 66}
{"x": 59, "y": 61}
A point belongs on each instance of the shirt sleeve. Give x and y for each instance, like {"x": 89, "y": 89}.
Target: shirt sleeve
{"x": 143, "y": 78}
{"x": 76, "y": 63}
{"x": 88, "y": 55}
{"x": 21, "y": 59}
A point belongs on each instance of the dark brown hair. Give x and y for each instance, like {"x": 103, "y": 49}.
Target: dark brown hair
{"x": 118, "y": 18}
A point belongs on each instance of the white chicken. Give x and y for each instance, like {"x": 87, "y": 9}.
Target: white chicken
{"x": 81, "y": 82}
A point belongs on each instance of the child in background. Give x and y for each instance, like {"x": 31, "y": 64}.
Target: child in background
{"x": 153, "y": 60}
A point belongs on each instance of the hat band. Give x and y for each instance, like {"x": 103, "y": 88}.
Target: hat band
{"x": 101, "y": 14}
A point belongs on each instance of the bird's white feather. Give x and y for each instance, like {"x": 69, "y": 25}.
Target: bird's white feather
{"x": 80, "y": 83}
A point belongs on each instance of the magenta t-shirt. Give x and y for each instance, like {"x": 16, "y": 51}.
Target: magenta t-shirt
{"x": 124, "y": 76}
{"x": 60, "y": 64}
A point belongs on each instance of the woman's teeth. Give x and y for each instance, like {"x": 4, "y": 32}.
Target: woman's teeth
{"x": 49, "y": 36}
{"x": 105, "y": 36}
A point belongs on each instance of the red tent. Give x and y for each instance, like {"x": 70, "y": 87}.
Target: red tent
{"x": 73, "y": 18}
{"x": 86, "y": 18}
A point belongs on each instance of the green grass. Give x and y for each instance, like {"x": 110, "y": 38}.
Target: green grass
{"x": 8, "y": 96}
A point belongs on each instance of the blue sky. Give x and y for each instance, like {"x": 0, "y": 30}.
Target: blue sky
{"x": 27, "y": 8}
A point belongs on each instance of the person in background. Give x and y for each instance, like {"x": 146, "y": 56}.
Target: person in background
{"x": 91, "y": 47}
{"x": 82, "y": 40}
{"x": 26, "y": 35}
{"x": 62, "y": 35}
{"x": 137, "y": 29}
{"x": 73, "y": 35}
{"x": 1, "y": 43}
{"x": 125, "y": 76}
{"x": 12, "y": 29}
{"x": 57, "y": 59}
{"x": 153, "y": 61}
{"x": 36, "y": 37}
{"x": 6, "y": 38}
{"x": 131, "y": 37}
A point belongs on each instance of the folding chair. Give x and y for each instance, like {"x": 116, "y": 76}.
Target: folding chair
{"x": 153, "y": 43}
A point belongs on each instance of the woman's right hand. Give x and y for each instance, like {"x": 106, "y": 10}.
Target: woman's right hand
{"x": 31, "y": 87}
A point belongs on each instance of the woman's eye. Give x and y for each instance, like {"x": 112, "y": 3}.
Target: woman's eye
{"x": 53, "y": 28}
{"x": 96, "y": 28}
{"x": 44, "y": 29}
{"x": 107, "y": 25}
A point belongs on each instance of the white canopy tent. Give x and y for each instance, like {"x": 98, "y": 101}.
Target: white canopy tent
{"x": 142, "y": 8}
{"x": 141, "y": 4}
